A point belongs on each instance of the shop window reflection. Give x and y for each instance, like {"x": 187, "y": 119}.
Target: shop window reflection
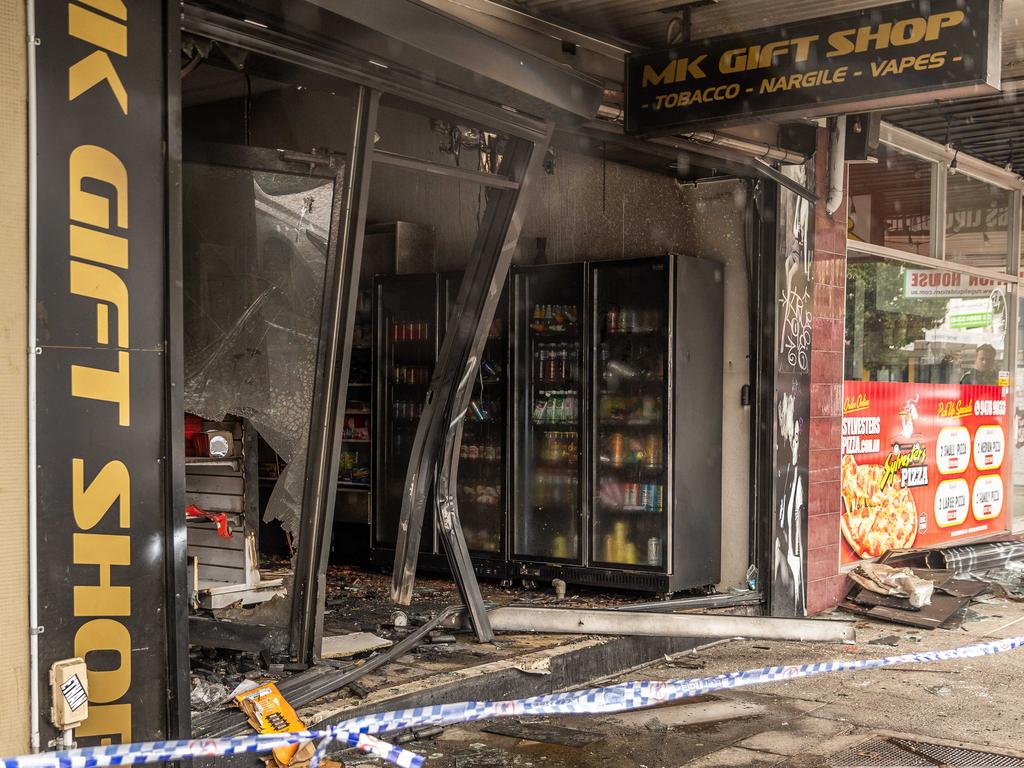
{"x": 912, "y": 324}
{"x": 889, "y": 202}
{"x": 977, "y": 223}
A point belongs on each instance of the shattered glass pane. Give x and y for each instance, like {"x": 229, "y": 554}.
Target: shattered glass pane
{"x": 255, "y": 247}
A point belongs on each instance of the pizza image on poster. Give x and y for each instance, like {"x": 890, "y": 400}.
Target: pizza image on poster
{"x": 922, "y": 465}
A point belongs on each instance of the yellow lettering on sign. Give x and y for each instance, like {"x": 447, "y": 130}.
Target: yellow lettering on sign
{"x": 105, "y": 686}
{"x": 903, "y": 32}
{"x": 101, "y": 247}
{"x": 654, "y": 77}
{"x": 101, "y": 284}
{"x": 91, "y": 162}
{"x": 90, "y": 504}
{"x": 102, "y": 384}
{"x": 939, "y": 21}
{"x": 115, "y": 8}
{"x": 101, "y": 31}
{"x": 107, "y": 720}
{"x": 106, "y": 551}
{"x": 93, "y": 70}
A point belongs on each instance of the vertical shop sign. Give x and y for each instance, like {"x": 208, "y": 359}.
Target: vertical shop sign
{"x": 101, "y": 360}
{"x": 794, "y": 286}
{"x": 923, "y": 464}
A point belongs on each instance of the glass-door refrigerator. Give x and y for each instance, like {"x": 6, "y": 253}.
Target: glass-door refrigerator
{"x": 630, "y": 522}
{"x": 412, "y": 316}
{"x": 618, "y": 423}
{"x": 406, "y": 324}
{"x": 656, "y": 422}
{"x": 548, "y": 415}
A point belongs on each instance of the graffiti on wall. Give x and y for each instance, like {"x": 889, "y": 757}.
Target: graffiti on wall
{"x": 794, "y": 286}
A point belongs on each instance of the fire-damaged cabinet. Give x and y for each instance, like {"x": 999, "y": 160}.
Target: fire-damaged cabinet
{"x": 222, "y": 516}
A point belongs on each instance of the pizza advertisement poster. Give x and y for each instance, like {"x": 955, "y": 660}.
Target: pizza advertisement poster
{"x": 922, "y": 465}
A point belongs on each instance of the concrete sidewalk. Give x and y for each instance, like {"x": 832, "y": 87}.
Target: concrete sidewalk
{"x": 801, "y": 722}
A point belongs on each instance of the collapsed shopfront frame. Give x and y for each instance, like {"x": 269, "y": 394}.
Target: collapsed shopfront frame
{"x": 496, "y": 242}
{"x": 291, "y": 54}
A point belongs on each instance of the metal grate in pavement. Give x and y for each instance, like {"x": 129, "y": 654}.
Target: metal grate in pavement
{"x": 893, "y": 752}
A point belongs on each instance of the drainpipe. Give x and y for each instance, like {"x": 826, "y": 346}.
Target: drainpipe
{"x": 836, "y": 163}
{"x": 33, "y": 556}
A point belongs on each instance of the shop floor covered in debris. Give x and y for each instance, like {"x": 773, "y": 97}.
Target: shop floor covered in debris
{"x": 447, "y": 665}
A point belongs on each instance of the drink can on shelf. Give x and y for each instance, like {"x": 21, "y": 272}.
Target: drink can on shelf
{"x": 645, "y": 496}
{"x": 652, "y": 450}
{"x": 618, "y": 449}
{"x": 631, "y": 495}
{"x": 611, "y": 324}
{"x": 654, "y": 551}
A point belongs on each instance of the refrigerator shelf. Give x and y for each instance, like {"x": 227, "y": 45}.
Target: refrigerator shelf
{"x": 570, "y": 334}
{"x": 631, "y": 335}
{"x": 633, "y": 467}
{"x": 630, "y": 510}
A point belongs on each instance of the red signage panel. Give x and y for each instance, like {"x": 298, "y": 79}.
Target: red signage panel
{"x": 923, "y": 464}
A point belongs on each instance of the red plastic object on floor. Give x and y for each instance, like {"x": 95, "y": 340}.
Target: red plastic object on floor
{"x": 193, "y": 428}
{"x": 220, "y": 518}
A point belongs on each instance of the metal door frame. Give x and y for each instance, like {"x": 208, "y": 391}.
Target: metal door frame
{"x": 337, "y": 304}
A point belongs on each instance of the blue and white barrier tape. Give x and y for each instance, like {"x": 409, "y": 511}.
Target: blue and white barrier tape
{"x": 357, "y": 732}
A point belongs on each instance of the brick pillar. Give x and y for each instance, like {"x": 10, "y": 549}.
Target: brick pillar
{"x": 825, "y": 586}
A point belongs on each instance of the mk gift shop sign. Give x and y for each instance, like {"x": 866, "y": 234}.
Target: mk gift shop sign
{"x": 894, "y": 55}
{"x": 100, "y": 345}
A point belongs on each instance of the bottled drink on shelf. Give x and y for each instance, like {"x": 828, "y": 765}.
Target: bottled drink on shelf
{"x": 611, "y": 320}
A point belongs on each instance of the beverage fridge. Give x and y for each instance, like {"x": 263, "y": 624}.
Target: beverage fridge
{"x": 411, "y": 315}
{"x": 617, "y": 414}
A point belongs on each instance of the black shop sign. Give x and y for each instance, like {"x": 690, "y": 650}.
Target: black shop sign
{"x": 896, "y": 55}
{"x": 101, "y": 361}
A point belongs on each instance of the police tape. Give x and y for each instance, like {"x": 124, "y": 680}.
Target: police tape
{"x": 358, "y": 731}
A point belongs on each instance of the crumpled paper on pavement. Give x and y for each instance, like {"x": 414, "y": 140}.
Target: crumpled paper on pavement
{"x": 898, "y": 582}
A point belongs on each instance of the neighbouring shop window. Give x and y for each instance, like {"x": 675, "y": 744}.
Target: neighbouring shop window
{"x": 977, "y": 223}
{"x": 913, "y": 324}
{"x": 925, "y": 425}
{"x": 889, "y": 202}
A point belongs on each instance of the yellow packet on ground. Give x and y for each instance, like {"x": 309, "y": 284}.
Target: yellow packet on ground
{"x": 269, "y": 712}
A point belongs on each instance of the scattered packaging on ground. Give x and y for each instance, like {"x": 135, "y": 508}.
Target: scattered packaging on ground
{"x": 268, "y": 712}
{"x": 899, "y": 582}
{"x": 893, "y": 590}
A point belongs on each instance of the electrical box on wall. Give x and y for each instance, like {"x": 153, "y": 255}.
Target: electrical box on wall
{"x": 69, "y": 689}
{"x": 862, "y": 131}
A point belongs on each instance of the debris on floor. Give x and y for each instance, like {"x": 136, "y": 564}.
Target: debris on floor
{"x": 540, "y": 731}
{"x": 897, "y": 582}
{"x": 206, "y": 694}
{"x": 344, "y": 646}
{"x": 977, "y": 558}
{"x": 884, "y": 593}
{"x": 269, "y": 712}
